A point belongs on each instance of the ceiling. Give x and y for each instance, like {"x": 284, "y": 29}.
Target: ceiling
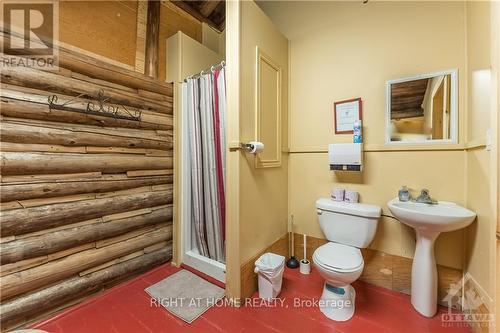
{"x": 212, "y": 12}
{"x": 407, "y": 98}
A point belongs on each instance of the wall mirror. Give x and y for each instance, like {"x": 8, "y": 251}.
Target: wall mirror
{"x": 422, "y": 109}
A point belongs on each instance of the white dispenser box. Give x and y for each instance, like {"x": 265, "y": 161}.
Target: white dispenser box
{"x": 345, "y": 156}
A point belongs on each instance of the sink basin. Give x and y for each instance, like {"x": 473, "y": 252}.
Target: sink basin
{"x": 428, "y": 220}
{"x": 442, "y": 217}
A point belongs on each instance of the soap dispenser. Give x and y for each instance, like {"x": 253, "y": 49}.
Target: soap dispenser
{"x": 404, "y": 194}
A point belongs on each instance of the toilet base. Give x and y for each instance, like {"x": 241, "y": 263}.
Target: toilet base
{"x": 337, "y": 303}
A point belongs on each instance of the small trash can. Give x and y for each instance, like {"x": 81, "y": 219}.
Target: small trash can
{"x": 270, "y": 268}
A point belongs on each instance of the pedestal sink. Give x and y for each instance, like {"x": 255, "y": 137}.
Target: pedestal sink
{"x": 428, "y": 220}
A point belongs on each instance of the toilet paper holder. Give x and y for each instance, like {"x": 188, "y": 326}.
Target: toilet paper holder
{"x": 252, "y": 147}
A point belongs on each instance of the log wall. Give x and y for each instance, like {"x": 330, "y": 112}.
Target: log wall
{"x": 86, "y": 199}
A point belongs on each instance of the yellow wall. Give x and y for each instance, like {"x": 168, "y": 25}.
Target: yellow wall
{"x": 352, "y": 55}
{"x": 262, "y": 192}
{"x": 481, "y": 164}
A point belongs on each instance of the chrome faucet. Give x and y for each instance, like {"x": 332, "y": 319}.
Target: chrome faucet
{"x": 425, "y": 198}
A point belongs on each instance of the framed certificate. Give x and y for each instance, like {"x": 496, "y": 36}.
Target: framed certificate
{"x": 345, "y": 113}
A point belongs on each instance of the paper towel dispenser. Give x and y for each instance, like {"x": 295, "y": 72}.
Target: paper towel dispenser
{"x": 345, "y": 156}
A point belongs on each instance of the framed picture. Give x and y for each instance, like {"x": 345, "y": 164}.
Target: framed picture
{"x": 345, "y": 113}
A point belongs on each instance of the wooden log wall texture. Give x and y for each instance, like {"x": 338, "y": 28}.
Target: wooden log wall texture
{"x": 85, "y": 199}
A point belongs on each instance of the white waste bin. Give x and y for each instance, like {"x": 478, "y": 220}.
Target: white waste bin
{"x": 270, "y": 268}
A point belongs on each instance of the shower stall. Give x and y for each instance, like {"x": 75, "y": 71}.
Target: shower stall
{"x": 198, "y": 74}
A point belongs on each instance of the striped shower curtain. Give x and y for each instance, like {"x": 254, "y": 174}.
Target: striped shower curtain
{"x": 205, "y": 104}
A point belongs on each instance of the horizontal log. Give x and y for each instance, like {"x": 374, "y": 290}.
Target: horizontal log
{"x": 140, "y": 173}
{"x": 78, "y": 104}
{"x": 24, "y": 147}
{"x": 51, "y": 177}
{"x": 21, "y": 265}
{"x": 64, "y": 239}
{"x": 22, "y": 109}
{"x": 15, "y": 163}
{"x": 117, "y": 261}
{"x": 38, "y": 79}
{"x": 21, "y": 133}
{"x": 53, "y": 271}
{"x": 151, "y": 134}
{"x": 55, "y": 200}
{"x": 77, "y": 286}
{"x": 22, "y": 221}
{"x": 91, "y": 66}
{"x": 99, "y": 69}
{"x": 57, "y": 189}
{"x": 124, "y": 237}
{"x": 102, "y": 82}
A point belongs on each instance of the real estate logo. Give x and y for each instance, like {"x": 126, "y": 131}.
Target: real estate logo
{"x": 30, "y": 32}
{"x": 472, "y": 310}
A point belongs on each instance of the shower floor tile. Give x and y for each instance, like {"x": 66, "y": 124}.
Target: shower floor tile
{"x": 126, "y": 308}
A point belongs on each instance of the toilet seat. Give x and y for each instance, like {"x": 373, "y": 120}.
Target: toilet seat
{"x": 338, "y": 257}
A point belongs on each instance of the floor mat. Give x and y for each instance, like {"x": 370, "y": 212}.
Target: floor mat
{"x": 185, "y": 295}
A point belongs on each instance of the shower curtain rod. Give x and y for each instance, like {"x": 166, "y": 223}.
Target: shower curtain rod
{"x": 222, "y": 64}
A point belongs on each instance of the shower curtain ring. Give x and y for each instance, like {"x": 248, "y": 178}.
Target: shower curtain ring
{"x": 223, "y": 63}
{"x": 212, "y": 69}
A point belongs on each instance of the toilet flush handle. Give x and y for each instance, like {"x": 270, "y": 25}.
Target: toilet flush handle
{"x": 319, "y": 211}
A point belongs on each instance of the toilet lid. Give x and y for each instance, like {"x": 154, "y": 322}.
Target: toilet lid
{"x": 338, "y": 256}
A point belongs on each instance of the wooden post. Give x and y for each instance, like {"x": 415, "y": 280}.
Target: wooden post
{"x": 152, "y": 38}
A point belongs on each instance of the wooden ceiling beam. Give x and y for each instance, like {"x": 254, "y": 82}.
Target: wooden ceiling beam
{"x": 413, "y": 113}
{"x": 152, "y": 38}
{"x": 208, "y": 7}
{"x": 197, "y": 15}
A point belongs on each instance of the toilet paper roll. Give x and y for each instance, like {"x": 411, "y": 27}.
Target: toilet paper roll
{"x": 338, "y": 194}
{"x": 257, "y": 147}
{"x": 351, "y": 196}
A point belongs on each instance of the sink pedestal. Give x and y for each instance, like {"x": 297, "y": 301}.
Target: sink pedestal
{"x": 424, "y": 274}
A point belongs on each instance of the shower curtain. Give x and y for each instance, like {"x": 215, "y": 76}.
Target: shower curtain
{"x": 205, "y": 104}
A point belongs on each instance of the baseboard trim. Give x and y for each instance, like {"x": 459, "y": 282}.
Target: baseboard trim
{"x": 381, "y": 269}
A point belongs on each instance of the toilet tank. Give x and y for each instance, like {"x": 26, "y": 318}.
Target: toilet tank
{"x": 348, "y": 223}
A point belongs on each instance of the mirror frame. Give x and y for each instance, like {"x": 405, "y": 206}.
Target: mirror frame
{"x": 453, "y": 108}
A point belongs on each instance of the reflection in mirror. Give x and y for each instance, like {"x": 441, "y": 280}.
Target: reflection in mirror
{"x": 421, "y": 108}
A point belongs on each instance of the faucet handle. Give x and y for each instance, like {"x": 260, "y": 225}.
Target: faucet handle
{"x": 424, "y": 192}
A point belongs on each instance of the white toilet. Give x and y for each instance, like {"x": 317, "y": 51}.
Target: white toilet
{"x": 348, "y": 227}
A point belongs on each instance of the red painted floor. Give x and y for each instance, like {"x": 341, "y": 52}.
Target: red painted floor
{"x": 126, "y": 308}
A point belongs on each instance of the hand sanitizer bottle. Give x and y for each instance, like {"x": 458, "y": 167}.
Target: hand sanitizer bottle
{"x": 357, "y": 128}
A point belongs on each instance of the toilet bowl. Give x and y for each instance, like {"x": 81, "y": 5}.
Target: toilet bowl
{"x": 348, "y": 227}
{"x": 340, "y": 265}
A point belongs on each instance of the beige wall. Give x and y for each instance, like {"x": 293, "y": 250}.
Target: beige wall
{"x": 481, "y": 164}
{"x": 352, "y": 55}
{"x": 262, "y": 192}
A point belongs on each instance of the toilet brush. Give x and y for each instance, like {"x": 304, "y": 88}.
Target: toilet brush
{"x": 305, "y": 265}
{"x": 292, "y": 262}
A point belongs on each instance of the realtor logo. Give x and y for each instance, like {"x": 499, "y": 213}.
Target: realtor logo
{"x": 29, "y": 30}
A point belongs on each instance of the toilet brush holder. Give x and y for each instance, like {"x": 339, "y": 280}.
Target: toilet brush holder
{"x": 305, "y": 266}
